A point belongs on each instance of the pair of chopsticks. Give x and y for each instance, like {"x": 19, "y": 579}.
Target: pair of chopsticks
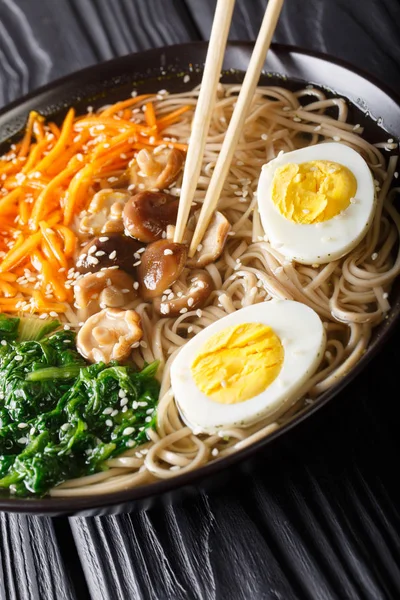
{"x": 204, "y": 110}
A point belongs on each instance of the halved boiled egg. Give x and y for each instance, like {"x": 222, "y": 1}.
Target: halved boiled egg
{"x": 249, "y": 365}
{"x": 317, "y": 203}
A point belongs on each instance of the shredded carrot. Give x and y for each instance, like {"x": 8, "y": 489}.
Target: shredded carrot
{"x": 54, "y": 130}
{"x": 69, "y": 239}
{"x": 48, "y": 177}
{"x": 60, "y": 144}
{"x": 26, "y": 141}
{"x": 172, "y": 118}
{"x": 8, "y": 277}
{"x": 150, "y": 115}
{"x": 15, "y": 255}
{"x": 39, "y": 208}
{"x": 34, "y": 155}
{"x": 24, "y": 211}
{"x": 54, "y": 243}
{"x": 7, "y": 289}
{"x": 6, "y": 202}
{"x": 76, "y": 191}
{"x": 49, "y": 277}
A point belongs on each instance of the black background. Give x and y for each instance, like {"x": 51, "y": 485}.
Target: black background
{"x": 321, "y": 519}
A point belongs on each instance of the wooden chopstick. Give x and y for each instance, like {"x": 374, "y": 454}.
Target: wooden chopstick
{"x": 203, "y": 112}
{"x": 235, "y": 127}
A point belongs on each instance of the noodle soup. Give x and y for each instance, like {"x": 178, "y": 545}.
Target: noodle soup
{"x": 88, "y": 213}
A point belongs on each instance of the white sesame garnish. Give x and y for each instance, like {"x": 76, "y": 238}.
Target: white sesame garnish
{"x": 22, "y": 425}
{"x": 107, "y": 411}
{"x": 167, "y": 252}
{"x": 112, "y": 255}
{"x": 215, "y": 451}
{"x": 109, "y": 423}
{"x": 374, "y": 256}
{"x": 128, "y": 431}
{"x": 186, "y": 79}
{"x": 104, "y": 239}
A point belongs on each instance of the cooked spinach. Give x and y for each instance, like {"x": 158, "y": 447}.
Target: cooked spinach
{"x": 60, "y": 418}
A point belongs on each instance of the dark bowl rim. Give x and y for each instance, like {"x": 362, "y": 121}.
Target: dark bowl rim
{"x": 70, "y": 506}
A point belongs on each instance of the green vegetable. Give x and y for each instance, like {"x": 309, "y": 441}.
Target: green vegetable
{"x": 8, "y": 328}
{"x": 60, "y": 418}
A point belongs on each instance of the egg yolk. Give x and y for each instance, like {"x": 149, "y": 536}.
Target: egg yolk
{"x": 238, "y": 363}
{"x": 312, "y": 192}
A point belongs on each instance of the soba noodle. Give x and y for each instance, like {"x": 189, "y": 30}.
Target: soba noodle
{"x": 350, "y": 294}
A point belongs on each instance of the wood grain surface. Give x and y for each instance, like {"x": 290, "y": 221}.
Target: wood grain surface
{"x": 321, "y": 520}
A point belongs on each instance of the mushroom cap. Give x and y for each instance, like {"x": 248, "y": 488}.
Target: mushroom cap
{"x": 109, "y": 335}
{"x": 110, "y": 250}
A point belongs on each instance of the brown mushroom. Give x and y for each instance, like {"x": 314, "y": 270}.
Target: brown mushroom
{"x": 194, "y": 296}
{"x": 147, "y": 214}
{"x": 109, "y": 335}
{"x": 213, "y": 242}
{"x": 111, "y": 250}
{"x": 104, "y": 213}
{"x": 162, "y": 263}
{"x": 156, "y": 169}
{"x": 108, "y": 288}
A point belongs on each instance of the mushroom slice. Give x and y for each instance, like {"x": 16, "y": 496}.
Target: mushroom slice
{"x": 147, "y": 215}
{"x": 156, "y": 168}
{"x": 213, "y": 242}
{"x": 162, "y": 263}
{"x": 111, "y": 250}
{"x": 104, "y": 213}
{"x": 108, "y": 288}
{"x": 195, "y": 296}
{"x": 109, "y": 335}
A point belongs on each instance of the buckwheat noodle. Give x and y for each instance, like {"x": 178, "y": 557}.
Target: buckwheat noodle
{"x": 350, "y": 294}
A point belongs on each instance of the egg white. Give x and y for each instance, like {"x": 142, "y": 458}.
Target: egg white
{"x": 323, "y": 242}
{"x": 303, "y": 338}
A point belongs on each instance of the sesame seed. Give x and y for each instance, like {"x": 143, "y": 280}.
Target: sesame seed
{"x": 385, "y": 295}
{"x": 317, "y": 128}
{"x": 114, "y": 413}
{"x": 112, "y": 255}
{"x": 374, "y": 256}
{"x": 19, "y": 357}
{"x": 136, "y": 285}
{"x": 264, "y": 136}
{"x": 104, "y": 239}
{"x": 190, "y": 301}
{"x": 143, "y": 344}
{"x": 53, "y": 313}
{"x": 167, "y": 252}
{"x": 175, "y": 468}
{"x": 183, "y": 310}
{"x": 215, "y": 451}
{"x": 109, "y": 423}
{"x": 107, "y": 411}
{"x": 199, "y": 313}
{"x": 22, "y": 440}
{"x": 297, "y": 119}
{"x": 147, "y": 420}
{"x": 22, "y": 425}
{"x": 124, "y": 401}
{"x": 65, "y": 427}
{"x": 128, "y": 431}
{"x": 3, "y": 343}
{"x": 186, "y": 79}
{"x": 139, "y": 262}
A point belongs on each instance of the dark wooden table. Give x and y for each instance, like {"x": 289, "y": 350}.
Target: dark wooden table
{"x": 320, "y": 521}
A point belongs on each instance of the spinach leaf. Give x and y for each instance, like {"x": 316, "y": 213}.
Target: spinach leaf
{"x": 60, "y": 418}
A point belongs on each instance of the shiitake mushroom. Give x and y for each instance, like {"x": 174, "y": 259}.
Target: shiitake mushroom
{"x": 147, "y": 214}
{"x": 161, "y": 264}
{"x": 109, "y": 250}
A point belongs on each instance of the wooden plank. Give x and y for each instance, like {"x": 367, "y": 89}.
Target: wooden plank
{"x": 362, "y": 33}
{"x": 40, "y": 41}
{"x": 31, "y": 565}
